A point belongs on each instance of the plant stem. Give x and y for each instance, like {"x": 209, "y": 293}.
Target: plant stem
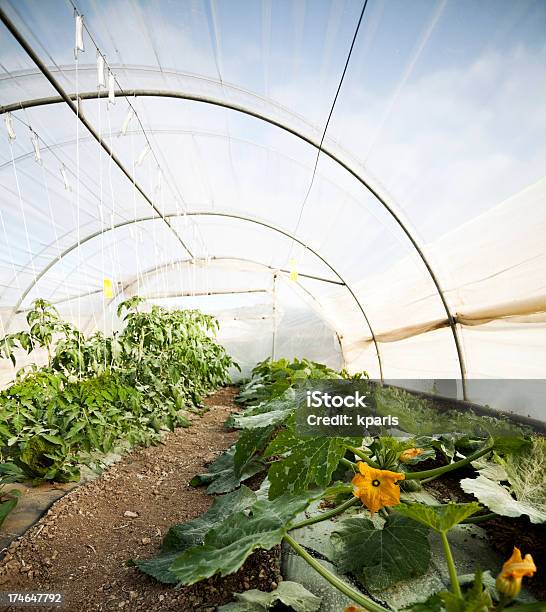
{"x": 326, "y": 515}
{"x": 481, "y": 519}
{"x": 430, "y": 479}
{"x": 348, "y": 463}
{"x": 448, "y": 468}
{"x": 455, "y": 587}
{"x": 362, "y": 455}
{"x": 336, "y": 582}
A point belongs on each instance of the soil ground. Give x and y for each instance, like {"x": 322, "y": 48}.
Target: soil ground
{"x": 81, "y": 545}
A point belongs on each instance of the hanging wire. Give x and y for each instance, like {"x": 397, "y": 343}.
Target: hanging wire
{"x": 54, "y": 226}
{"x": 78, "y": 47}
{"x": 115, "y": 80}
{"x": 22, "y": 208}
{"x": 51, "y": 151}
{"x": 101, "y": 83}
{"x": 319, "y": 150}
{"x": 38, "y": 139}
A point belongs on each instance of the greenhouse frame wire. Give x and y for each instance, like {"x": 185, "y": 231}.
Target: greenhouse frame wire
{"x": 439, "y": 276}
{"x": 336, "y": 159}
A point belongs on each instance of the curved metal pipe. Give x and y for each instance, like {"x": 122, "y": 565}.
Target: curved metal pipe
{"x": 247, "y": 111}
{"x": 158, "y": 268}
{"x": 279, "y": 230}
{"x": 74, "y": 107}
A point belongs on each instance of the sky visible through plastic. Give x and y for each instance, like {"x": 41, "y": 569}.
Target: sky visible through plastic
{"x": 441, "y": 112}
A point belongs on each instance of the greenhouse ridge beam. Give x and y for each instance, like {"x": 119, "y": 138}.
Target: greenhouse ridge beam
{"x": 243, "y": 260}
{"x": 176, "y": 294}
{"x": 247, "y": 111}
{"x": 166, "y": 266}
{"x": 155, "y": 296}
{"x": 205, "y": 213}
{"x": 74, "y": 107}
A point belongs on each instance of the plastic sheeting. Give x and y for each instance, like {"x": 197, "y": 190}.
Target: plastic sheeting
{"x": 418, "y": 240}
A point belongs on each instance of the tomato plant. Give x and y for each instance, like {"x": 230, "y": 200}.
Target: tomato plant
{"x": 99, "y": 390}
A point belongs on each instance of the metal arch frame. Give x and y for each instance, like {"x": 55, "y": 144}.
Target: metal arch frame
{"x": 247, "y": 111}
{"x": 196, "y": 260}
{"x": 205, "y": 213}
{"x": 160, "y": 267}
{"x": 74, "y": 105}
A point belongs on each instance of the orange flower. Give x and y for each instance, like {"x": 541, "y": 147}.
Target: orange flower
{"x": 354, "y": 609}
{"x": 509, "y": 580}
{"x": 410, "y": 454}
{"x": 376, "y": 488}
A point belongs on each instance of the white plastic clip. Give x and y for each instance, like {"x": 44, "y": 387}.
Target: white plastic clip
{"x": 143, "y": 155}
{"x": 101, "y": 72}
{"x": 9, "y": 126}
{"x": 127, "y": 121}
{"x": 111, "y": 85}
{"x": 36, "y": 145}
{"x": 65, "y": 179}
{"x": 78, "y": 44}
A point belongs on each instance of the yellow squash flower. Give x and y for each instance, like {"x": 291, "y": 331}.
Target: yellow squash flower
{"x": 376, "y": 488}
{"x": 509, "y": 580}
{"x": 354, "y": 609}
{"x": 410, "y": 454}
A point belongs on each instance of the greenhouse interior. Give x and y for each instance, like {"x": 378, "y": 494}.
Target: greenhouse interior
{"x": 273, "y": 305}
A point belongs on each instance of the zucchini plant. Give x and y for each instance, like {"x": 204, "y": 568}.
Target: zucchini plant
{"x": 386, "y": 539}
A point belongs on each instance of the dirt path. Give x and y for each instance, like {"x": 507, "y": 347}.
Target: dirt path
{"x": 80, "y": 547}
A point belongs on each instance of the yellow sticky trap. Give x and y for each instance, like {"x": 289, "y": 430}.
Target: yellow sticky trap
{"x": 107, "y": 288}
{"x": 293, "y": 270}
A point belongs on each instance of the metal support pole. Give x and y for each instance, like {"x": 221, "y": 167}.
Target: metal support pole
{"x": 274, "y": 334}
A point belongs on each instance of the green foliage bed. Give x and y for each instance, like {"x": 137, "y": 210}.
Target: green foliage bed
{"x": 388, "y": 540}
{"x": 99, "y": 391}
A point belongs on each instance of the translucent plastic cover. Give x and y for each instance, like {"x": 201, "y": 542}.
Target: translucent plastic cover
{"x": 406, "y": 239}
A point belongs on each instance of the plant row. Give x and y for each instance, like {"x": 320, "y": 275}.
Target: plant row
{"x": 386, "y": 535}
{"x": 98, "y": 393}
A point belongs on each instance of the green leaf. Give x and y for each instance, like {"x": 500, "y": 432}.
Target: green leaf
{"x": 536, "y": 606}
{"x": 382, "y": 557}
{"x": 310, "y": 460}
{"x": 498, "y": 499}
{"x": 10, "y": 472}
{"x": 76, "y": 429}
{"x": 7, "y": 506}
{"x": 291, "y": 594}
{"x": 274, "y": 417}
{"x": 440, "y": 518}
{"x": 182, "y": 536}
{"x": 249, "y": 443}
{"x": 432, "y": 604}
{"x": 185, "y": 535}
{"x": 228, "y": 545}
{"x": 53, "y": 439}
{"x": 222, "y": 476}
